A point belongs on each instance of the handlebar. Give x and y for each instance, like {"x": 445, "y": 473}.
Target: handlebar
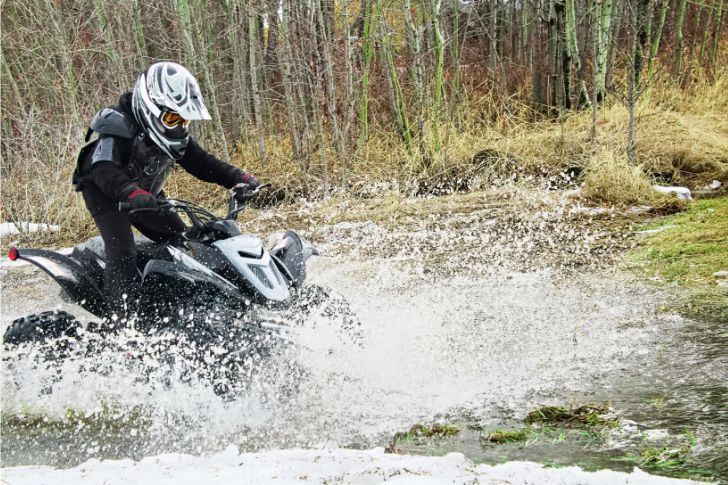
{"x": 233, "y": 208}
{"x": 162, "y": 206}
{"x": 236, "y": 204}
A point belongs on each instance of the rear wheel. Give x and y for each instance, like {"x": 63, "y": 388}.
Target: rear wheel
{"x": 41, "y": 327}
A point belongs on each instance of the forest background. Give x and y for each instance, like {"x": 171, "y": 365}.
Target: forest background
{"x": 419, "y": 97}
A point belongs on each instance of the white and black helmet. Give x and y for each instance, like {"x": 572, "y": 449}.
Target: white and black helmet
{"x": 165, "y": 99}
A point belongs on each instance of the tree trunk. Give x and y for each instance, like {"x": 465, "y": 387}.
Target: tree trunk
{"x": 439, "y": 75}
{"x": 679, "y": 39}
{"x": 638, "y": 24}
{"x": 604, "y": 11}
{"x": 414, "y": 42}
{"x": 617, "y": 16}
{"x": 349, "y": 99}
{"x": 396, "y": 96}
{"x": 328, "y": 68}
{"x": 371, "y": 15}
{"x": 656, "y": 36}
{"x": 493, "y": 39}
{"x": 285, "y": 57}
{"x": 716, "y": 33}
{"x": 595, "y": 13}
{"x": 553, "y": 65}
{"x": 253, "y": 68}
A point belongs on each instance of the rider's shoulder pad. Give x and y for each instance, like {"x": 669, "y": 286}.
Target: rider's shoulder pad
{"x": 111, "y": 122}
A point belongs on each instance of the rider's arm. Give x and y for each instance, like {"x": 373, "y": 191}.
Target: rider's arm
{"x": 105, "y": 172}
{"x": 204, "y": 166}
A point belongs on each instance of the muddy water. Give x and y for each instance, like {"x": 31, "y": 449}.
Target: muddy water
{"x": 476, "y": 317}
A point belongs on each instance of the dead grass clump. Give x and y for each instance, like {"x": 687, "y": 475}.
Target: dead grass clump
{"x": 488, "y": 167}
{"x": 610, "y": 179}
{"x": 682, "y": 147}
{"x": 691, "y": 149}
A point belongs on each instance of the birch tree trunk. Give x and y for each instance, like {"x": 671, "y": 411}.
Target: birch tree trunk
{"x": 604, "y": 9}
{"x": 253, "y": 66}
{"x": 414, "y": 42}
{"x": 439, "y": 75}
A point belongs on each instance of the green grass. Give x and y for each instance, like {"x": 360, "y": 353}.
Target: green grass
{"x": 687, "y": 250}
{"x": 512, "y": 436}
{"x": 672, "y": 458}
{"x": 589, "y": 415}
{"x": 419, "y": 431}
{"x": 690, "y": 246}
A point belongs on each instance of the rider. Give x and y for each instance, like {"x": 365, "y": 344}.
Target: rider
{"x": 139, "y": 141}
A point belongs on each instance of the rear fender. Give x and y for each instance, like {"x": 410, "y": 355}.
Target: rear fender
{"x": 71, "y": 277}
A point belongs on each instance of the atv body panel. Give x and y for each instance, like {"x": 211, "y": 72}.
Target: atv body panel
{"x": 71, "y": 276}
{"x": 290, "y": 254}
{"x": 211, "y": 269}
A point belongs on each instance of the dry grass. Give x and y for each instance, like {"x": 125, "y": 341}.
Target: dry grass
{"x": 686, "y": 147}
{"x": 681, "y": 136}
{"x": 610, "y": 179}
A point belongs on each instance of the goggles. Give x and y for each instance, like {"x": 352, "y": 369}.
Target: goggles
{"x": 170, "y": 119}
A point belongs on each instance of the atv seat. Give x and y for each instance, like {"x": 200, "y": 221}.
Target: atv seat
{"x": 146, "y": 249}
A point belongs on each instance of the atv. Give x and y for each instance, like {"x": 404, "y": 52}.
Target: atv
{"x": 212, "y": 287}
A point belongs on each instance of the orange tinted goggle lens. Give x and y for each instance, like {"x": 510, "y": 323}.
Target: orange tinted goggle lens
{"x": 172, "y": 119}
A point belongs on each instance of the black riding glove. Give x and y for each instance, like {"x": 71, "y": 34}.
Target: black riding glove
{"x": 249, "y": 178}
{"x": 141, "y": 199}
{"x": 244, "y": 189}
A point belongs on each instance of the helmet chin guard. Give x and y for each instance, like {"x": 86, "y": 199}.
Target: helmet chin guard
{"x": 164, "y": 87}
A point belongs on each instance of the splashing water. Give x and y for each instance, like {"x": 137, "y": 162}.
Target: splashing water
{"x": 463, "y": 316}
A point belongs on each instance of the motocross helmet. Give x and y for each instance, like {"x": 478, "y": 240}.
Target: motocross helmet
{"x": 165, "y": 99}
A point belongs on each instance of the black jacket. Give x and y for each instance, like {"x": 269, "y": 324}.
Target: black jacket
{"x": 124, "y": 165}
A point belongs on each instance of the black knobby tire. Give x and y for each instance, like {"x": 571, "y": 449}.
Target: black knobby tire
{"x": 41, "y": 327}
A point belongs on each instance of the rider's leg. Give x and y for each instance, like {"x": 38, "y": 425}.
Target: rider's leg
{"x": 122, "y": 280}
{"x": 158, "y": 227}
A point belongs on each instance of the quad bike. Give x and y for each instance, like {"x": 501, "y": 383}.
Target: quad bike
{"x": 213, "y": 288}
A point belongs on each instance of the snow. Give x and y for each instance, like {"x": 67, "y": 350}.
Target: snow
{"x": 317, "y": 466}
{"x": 714, "y": 185}
{"x": 680, "y": 192}
{"x": 11, "y": 228}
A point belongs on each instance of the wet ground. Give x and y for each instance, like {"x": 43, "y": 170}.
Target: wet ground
{"x": 475, "y": 309}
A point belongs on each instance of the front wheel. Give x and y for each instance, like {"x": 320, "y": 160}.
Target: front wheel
{"x": 41, "y": 327}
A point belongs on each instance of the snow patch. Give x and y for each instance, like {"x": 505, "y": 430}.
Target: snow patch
{"x": 318, "y": 466}
{"x": 12, "y": 228}
{"x": 680, "y": 192}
